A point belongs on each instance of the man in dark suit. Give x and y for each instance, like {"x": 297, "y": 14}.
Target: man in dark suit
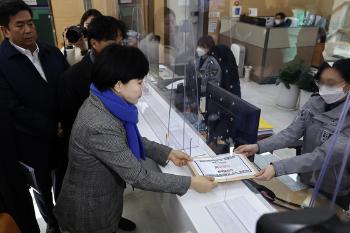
{"x": 29, "y": 74}
{"x": 75, "y": 83}
{"x": 15, "y": 198}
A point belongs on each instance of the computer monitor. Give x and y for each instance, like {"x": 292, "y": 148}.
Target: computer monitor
{"x": 230, "y": 117}
{"x": 322, "y": 220}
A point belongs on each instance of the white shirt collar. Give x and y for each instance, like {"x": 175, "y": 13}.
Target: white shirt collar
{"x": 26, "y": 51}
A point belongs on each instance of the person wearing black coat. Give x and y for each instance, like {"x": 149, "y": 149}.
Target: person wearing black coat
{"x": 29, "y": 75}
{"x": 217, "y": 63}
{"x": 15, "y": 198}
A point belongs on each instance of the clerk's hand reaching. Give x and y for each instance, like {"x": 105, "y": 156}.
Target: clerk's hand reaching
{"x": 179, "y": 158}
{"x": 247, "y": 150}
{"x": 266, "y": 174}
{"x": 203, "y": 184}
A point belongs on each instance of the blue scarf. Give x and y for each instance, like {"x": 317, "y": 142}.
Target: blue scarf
{"x": 127, "y": 114}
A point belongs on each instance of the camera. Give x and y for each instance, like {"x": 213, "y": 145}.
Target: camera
{"x": 74, "y": 33}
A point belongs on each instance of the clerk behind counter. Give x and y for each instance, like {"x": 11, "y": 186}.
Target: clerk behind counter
{"x": 316, "y": 123}
{"x": 281, "y": 20}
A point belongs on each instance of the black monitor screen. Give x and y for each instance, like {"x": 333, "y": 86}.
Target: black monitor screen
{"x": 228, "y": 116}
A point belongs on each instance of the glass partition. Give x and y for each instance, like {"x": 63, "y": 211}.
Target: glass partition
{"x": 175, "y": 97}
{"x": 171, "y": 101}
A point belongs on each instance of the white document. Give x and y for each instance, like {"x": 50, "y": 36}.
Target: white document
{"x": 224, "y": 167}
{"x": 245, "y": 212}
{"x": 173, "y": 85}
{"x": 253, "y": 12}
{"x": 225, "y": 219}
{"x": 236, "y": 215}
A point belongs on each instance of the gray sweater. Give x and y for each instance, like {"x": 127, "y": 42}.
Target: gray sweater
{"x": 100, "y": 162}
{"x": 317, "y": 127}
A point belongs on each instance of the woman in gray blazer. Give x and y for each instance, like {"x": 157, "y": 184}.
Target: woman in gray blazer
{"x": 316, "y": 123}
{"x": 106, "y": 148}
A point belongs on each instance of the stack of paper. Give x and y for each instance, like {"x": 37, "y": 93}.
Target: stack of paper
{"x": 237, "y": 215}
{"x": 224, "y": 168}
{"x": 265, "y": 129}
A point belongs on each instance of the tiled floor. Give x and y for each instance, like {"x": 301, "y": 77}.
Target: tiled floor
{"x": 142, "y": 207}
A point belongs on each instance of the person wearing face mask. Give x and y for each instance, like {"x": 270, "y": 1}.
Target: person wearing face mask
{"x": 216, "y": 63}
{"x": 75, "y": 52}
{"x": 316, "y": 123}
{"x": 281, "y": 21}
{"x": 106, "y": 148}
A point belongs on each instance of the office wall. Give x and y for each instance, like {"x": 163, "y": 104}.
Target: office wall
{"x": 271, "y": 7}
{"x": 66, "y": 13}
{"x": 339, "y": 2}
{"x": 69, "y": 12}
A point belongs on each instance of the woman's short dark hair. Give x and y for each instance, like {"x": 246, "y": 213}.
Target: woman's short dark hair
{"x": 324, "y": 66}
{"x": 105, "y": 28}
{"x": 341, "y": 66}
{"x": 206, "y": 42}
{"x": 10, "y": 8}
{"x": 281, "y": 14}
{"x": 89, "y": 13}
{"x": 118, "y": 63}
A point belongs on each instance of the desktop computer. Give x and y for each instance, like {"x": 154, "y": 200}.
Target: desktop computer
{"x": 314, "y": 220}
{"x": 230, "y": 118}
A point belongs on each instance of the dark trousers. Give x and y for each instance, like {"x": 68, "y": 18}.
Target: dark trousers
{"x": 16, "y": 201}
{"x": 51, "y": 179}
{"x": 48, "y": 180}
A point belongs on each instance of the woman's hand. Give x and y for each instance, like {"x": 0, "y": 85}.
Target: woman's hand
{"x": 203, "y": 184}
{"x": 266, "y": 174}
{"x": 247, "y": 150}
{"x": 179, "y": 158}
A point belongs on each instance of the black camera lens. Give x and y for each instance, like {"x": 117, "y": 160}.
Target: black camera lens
{"x": 74, "y": 33}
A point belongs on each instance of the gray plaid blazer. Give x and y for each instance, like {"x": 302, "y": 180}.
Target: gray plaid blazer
{"x": 100, "y": 162}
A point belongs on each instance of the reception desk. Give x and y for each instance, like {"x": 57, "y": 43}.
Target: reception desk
{"x": 269, "y": 49}
{"x": 190, "y": 213}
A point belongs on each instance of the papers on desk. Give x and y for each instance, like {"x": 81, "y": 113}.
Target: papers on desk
{"x": 173, "y": 85}
{"x": 236, "y": 215}
{"x": 224, "y": 168}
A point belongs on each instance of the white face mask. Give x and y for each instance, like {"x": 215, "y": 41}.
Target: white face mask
{"x": 331, "y": 94}
{"x": 200, "y": 51}
{"x": 278, "y": 21}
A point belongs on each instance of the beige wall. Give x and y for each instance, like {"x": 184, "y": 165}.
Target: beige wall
{"x": 271, "y": 7}
{"x": 1, "y": 37}
{"x": 159, "y": 25}
{"x": 69, "y": 12}
{"x": 66, "y": 13}
{"x": 107, "y": 7}
{"x": 338, "y": 3}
